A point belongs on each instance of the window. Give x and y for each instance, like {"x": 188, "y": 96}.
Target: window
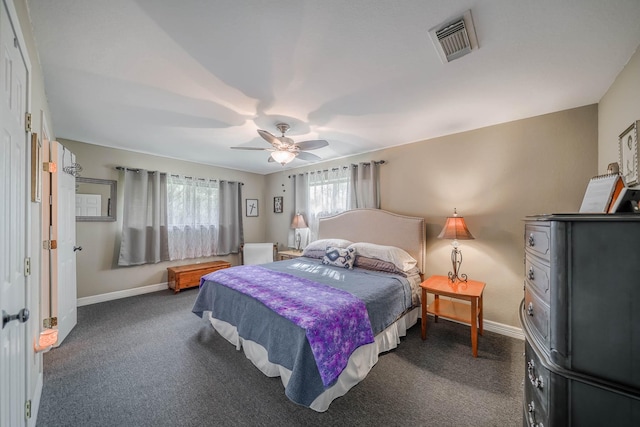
{"x": 192, "y": 217}
{"x": 169, "y": 217}
{"x": 329, "y": 192}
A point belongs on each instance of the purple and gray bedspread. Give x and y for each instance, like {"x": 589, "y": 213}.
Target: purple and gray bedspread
{"x": 310, "y": 317}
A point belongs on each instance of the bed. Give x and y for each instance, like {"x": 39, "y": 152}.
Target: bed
{"x": 322, "y": 351}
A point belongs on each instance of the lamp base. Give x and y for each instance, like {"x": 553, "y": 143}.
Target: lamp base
{"x": 456, "y": 261}
{"x": 455, "y": 277}
{"x": 298, "y": 240}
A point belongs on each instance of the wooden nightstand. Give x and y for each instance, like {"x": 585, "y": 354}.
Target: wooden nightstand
{"x": 470, "y": 290}
{"x": 289, "y": 254}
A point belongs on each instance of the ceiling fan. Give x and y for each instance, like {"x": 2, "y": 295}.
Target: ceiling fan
{"x": 284, "y": 149}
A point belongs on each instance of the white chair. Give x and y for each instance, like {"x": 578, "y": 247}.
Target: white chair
{"x": 258, "y": 253}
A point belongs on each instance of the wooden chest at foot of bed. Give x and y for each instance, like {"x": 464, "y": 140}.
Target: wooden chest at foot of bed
{"x": 188, "y": 276}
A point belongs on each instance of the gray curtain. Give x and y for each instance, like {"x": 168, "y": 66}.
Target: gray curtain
{"x": 366, "y": 182}
{"x": 301, "y": 205}
{"x": 144, "y": 224}
{"x": 230, "y": 233}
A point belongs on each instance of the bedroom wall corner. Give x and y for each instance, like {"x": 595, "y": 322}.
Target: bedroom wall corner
{"x": 97, "y": 273}
{"x": 618, "y": 108}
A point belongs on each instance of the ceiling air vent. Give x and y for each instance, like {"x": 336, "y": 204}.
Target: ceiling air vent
{"x": 455, "y": 38}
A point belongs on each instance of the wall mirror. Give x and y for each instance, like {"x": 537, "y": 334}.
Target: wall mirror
{"x": 95, "y": 199}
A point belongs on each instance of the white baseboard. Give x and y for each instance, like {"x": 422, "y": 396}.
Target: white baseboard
{"x": 498, "y": 328}
{"x": 94, "y": 299}
{"x": 502, "y": 329}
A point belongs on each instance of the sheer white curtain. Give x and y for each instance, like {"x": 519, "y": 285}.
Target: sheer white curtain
{"x": 193, "y": 215}
{"x": 329, "y": 192}
{"x": 204, "y": 217}
{"x": 144, "y": 220}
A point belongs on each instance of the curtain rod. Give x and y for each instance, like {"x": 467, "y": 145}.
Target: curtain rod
{"x": 124, "y": 168}
{"x": 377, "y": 162}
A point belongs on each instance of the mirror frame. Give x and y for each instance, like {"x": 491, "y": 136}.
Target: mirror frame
{"x": 113, "y": 194}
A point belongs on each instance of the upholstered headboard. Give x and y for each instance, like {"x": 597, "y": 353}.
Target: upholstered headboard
{"x": 379, "y": 227}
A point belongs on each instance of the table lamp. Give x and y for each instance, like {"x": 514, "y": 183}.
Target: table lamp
{"x": 456, "y": 229}
{"x": 296, "y": 224}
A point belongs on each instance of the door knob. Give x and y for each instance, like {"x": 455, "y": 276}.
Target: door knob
{"x": 22, "y": 316}
{"x": 77, "y": 248}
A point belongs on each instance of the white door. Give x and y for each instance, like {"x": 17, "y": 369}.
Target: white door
{"x": 64, "y": 226}
{"x": 13, "y": 213}
{"x": 88, "y": 204}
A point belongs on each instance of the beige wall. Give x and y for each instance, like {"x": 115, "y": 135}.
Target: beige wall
{"x": 494, "y": 176}
{"x": 617, "y": 109}
{"x": 96, "y": 270}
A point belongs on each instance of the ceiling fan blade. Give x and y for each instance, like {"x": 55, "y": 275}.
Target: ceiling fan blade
{"x": 307, "y": 156}
{"x": 268, "y": 137}
{"x": 285, "y": 140}
{"x": 312, "y": 144}
{"x": 249, "y": 148}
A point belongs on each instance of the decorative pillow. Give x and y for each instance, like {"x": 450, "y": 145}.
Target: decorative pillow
{"x": 400, "y": 258}
{"x": 375, "y": 264}
{"x": 339, "y": 257}
{"x": 318, "y": 248}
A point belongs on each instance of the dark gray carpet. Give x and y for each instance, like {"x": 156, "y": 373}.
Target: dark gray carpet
{"x": 148, "y": 361}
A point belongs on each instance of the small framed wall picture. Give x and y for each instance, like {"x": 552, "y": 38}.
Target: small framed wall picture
{"x": 277, "y": 204}
{"x": 628, "y": 150}
{"x": 252, "y": 207}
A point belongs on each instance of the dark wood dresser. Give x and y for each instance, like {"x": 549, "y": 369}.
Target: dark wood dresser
{"x": 581, "y": 320}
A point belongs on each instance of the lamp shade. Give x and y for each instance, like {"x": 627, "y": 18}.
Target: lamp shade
{"x": 455, "y": 228}
{"x": 283, "y": 157}
{"x": 298, "y": 221}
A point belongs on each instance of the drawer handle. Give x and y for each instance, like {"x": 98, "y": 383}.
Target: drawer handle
{"x": 536, "y": 382}
{"x": 530, "y": 309}
{"x": 530, "y": 273}
{"x": 532, "y": 241}
{"x": 531, "y": 408}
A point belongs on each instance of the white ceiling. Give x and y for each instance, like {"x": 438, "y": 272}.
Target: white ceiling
{"x": 189, "y": 79}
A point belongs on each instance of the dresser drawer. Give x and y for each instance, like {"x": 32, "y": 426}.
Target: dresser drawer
{"x": 537, "y": 380}
{"x": 538, "y": 276}
{"x": 537, "y": 240}
{"x": 536, "y": 314}
{"x": 535, "y": 412}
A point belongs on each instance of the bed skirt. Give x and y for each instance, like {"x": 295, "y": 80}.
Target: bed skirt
{"x": 359, "y": 365}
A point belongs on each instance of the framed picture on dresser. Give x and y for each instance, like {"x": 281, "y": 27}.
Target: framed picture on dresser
{"x": 628, "y": 151}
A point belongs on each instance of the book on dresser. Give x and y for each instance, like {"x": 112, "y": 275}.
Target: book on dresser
{"x": 601, "y": 194}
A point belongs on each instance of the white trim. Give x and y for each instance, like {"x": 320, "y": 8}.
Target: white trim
{"x": 35, "y": 402}
{"x": 15, "y": 21}
{"x": 498, "y": 328}
{"x": 502, "y": 329}
{"x": 94, "y": 299}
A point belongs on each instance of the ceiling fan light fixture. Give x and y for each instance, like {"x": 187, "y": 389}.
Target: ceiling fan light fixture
{"x": 283, "y": 157}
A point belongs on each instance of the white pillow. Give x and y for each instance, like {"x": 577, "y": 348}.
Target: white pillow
{"x": 318, "y": 248}
{"x": 392, "y": 254}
